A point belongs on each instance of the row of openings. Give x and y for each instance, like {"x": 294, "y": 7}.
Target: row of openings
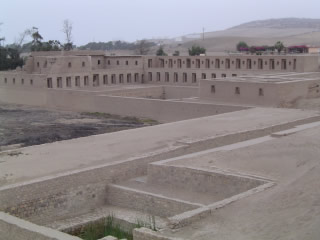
{"x": 248, "y": 64}
{"x": 95, "y": 81}
{"x": 45, "y": 64}
{"x": 175, "y": 77}
{"x": 184, "y": 76}
{"x": 126, "y": 62}
{"x": 21, "y": 81}
{"x": 237, "y": 90}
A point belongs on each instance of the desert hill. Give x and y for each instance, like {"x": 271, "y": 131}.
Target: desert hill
{"x": 291, "y": 31}
{"x": 282, "y": 23}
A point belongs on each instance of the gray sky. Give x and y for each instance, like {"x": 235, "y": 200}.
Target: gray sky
{"x": 105, "y": 20}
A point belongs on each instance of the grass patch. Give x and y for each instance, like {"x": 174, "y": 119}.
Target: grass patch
{"x": 109, "y": 227}
{"x": 100, "y": 229}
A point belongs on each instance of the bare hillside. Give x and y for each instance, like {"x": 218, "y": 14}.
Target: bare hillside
{"x": 291, "y": 31}
{"x": 282, "y": 23}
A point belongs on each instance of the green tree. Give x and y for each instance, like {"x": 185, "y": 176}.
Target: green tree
{"x": 1, "y": 38}
{"x": 176, "y": 53}
{"x": 196, "y": 50}
{"x": 279, "y": 46}
{"x": 160, "y": 52}
{"x": 242, "y": 45}
{"x": 9, "y": 58}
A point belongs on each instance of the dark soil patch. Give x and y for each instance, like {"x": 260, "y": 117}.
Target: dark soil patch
{"x": 31, "y": 126}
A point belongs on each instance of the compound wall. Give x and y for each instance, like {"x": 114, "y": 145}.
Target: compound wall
{"x": 87, "y": 101}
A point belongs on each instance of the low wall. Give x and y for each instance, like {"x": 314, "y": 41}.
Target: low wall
{"x": 48, "y": 199}
{"x": 156, "y": 92}
{"x": 86, "y": 101}
{"x": 146, "y": 202}
{"x": 16, "y": 229}
{"x": 30, "y": 96}
{"x": 174, "y": 92}
{"x": 55, "y": 198}
{"x": 160, "y": 110}
{"x": 220, "y": 185}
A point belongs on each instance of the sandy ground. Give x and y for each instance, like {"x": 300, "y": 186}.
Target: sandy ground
{"x": 288, "y": 211}
{"x": 47, "y": 159}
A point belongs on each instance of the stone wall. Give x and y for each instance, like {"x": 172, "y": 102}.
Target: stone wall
{"x": 17, "y": 229}
{"x": 146, "y": 202}
{"x": 60, "y": 196}
{"x": 221, "y": 185}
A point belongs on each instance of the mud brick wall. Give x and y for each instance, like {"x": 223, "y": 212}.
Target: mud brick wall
{"x": 215, "y": 183}
{"x": 145, "y": 202}
{"x": 12, "y": 228}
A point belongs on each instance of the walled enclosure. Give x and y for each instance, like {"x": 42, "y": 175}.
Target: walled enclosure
{"x": 167, "y": 89}
{"x": 95, "y": 72}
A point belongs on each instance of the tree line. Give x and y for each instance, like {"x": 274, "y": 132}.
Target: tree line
{"x": 10, "y": 54}
{"x": 244, "y": 47}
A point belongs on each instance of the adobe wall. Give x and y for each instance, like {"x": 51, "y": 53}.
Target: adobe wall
{"x": 31, "y": 97}
{"x": 21, "y": 79}
{"x": 249, "y": 92}
{"x": 86, "y": 101}
{"x": 51, "y": 198}
{"x": 290, "y": 92}
{"x": 76, "y": 192}
{"x": 151, "y": 75}
{"x": 157, "y": 92}
{"x": 310, "y": 64}
{"x": 275, "y": 94}
{"x": 197, "y": 180}
{"x": 294, "y": 63}
{"x": 145, "y": 202}
{"x": 16, "y": 229}
{"x": 53, "y": 64}
{"x": 160, "y": 110}
{"x": 179, "y": 92}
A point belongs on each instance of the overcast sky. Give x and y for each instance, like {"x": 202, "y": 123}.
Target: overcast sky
{"x": 105, "y": 20}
